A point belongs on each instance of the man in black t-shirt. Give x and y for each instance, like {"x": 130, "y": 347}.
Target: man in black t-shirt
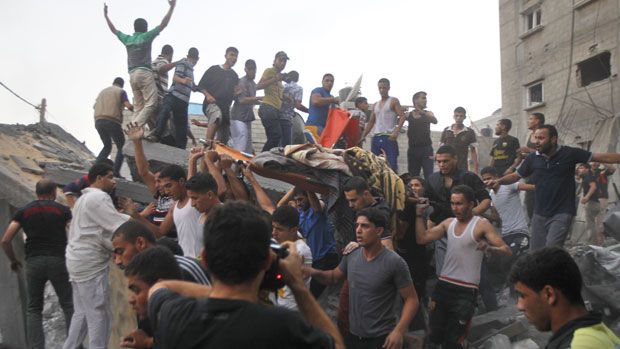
{"x": 44, "y": 222}
{"x": 504, "y": 156}
{"x": 237, "y": 254}
{"x": 463, "y": 139}
{"x": 420, "y": 152}
{"x": 219, "y": 85}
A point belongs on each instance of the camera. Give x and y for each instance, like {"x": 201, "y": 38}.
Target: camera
{"x": 273, "y": 279}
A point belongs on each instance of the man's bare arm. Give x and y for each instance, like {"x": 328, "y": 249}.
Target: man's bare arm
{"x": 482, "y": 207}
{"x": 608, "y": 158}
{"x": 184, "y": 288}
{"x": 264, "y": 201}
{"x": 107, "y": 19}
{"x": 326, "y": 277}
{"x": 494, "y": 242}
{"x": 7, "y": 244}
{"x": 166, "y": 19}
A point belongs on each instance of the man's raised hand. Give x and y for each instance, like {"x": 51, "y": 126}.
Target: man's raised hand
{"x": 134, "y": 131}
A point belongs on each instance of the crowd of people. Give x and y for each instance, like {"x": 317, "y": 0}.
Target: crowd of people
{"x": 213, "y": 262}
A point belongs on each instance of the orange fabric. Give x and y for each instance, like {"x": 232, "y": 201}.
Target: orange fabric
{"x": 337, "y": 121}
{"x": 234, "y": 153}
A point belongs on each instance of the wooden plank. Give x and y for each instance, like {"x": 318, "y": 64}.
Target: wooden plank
{"x": 136, "y": 191}
{"x": 27, "y": 165}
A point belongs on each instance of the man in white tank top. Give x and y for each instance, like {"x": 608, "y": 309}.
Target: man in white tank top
{"x": 186, "y": 218}
{"x": 385, "y": 122}
{"x": 469, "y": 238}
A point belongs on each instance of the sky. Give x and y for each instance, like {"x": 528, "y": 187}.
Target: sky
{"x": 63, "y": 50}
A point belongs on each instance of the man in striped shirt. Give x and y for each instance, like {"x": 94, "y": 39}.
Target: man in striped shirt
{"x": 132, "y": 238}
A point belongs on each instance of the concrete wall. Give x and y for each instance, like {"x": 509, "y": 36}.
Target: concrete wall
{"x": 568, "y": 35}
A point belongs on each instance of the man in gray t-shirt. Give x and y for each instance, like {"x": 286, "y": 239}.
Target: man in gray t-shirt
{"x": 242, "y": 113}
{"x": 376, "y": 275}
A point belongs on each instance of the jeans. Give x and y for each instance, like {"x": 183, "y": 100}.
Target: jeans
{"x": 178, "y": 107}
{"x": 593, "y": 208}
{"x": 354, "y": 342}
{"x": 549, "y": 231}
{"x": 452, "y": 308}
{"x": 111, "y": 131}
{"x": 382, "y": 142}
{"x": 286, "y": 126}
{"x": 420, "y": 158}
{"x": 270, "y": 118}
{"x": 40, "y": 269}
{"x": 92, "y": 315}
{"x": 145, "y": 96}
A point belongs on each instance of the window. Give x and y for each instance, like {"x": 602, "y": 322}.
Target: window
{"x": 535, "y": 94}
{"x": 594, "y": 69}
{"x": 533, "y": 18}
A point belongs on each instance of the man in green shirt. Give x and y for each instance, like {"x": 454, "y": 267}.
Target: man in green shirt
{"x": 141, "y": 75}
{"x": 269, "y": 110}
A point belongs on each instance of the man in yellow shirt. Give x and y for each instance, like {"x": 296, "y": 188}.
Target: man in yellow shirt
{"x": 269, "y": 110}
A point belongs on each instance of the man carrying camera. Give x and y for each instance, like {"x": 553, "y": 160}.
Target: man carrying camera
{"x": 237, "y": 253}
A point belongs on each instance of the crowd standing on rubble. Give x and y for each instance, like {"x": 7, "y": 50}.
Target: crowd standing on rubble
{"x": 213, "y": 262}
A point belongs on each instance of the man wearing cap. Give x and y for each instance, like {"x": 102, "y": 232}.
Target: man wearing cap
{"x": 177, "y": 100}
{"x": 141, "y": 75}
{"x": 269, "y": 110}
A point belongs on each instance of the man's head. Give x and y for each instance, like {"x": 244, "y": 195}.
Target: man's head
{"x": 418, "y": 185}
{"x": 292, "y": 76}
{"x": 370, "y": 223}
{"x": 328, "y": 82}
{"x": 231, "y": 56}
{"x": 46, "y": 189}
{"x": 583, "y": 169}
{"x": 357, "y": 193}
{"x": 462, "y": 202}
{"x": 546, "y": 281}
{"x": 361, "y": 103}
{"x": 446, "y": 159}
{"x": 502, "y": 127}
{"x": 129, "y": 239}
{"x": 193, "y": 56}
{"x": 489, "y": 173}
{"x": 459, "y": 115}
{"x": 300, "y": 197}
{"x": 144, "y": 270}
{"x": 419, "y": 100}
{"x": 237, "y": 238}
{"x": 172, "y": 181}
{"x": 384, "y": 87}
{"x": 279, "y": 62}
{"x": 140, "y": 25}
{"x": 167, "y": 52}
{"x": 101, "y": 176}
{"x": 202, "y": 189}
{"x": 284, "y": 224}
{"x": 119, "y": 82}
{"x": 534, "y": 120}
{"x": 546, "y": 138}
{"x": 250, "y": 69}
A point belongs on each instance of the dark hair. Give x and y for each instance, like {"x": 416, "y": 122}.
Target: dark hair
{"x": 232, "y": 49}
{"x": 98, "y": 169}
{"x": 299, "y": 191}
{"x": 131, "y": 230}
{"x": 236, "y": 238}
{"x": 167, "y": 50}
{"x": 540, "y": 117}
{"x": 490, "y": 170}
{"x": 466, "y": 191}
{"x": 375, "y": 216}
{"x": 192, "y": 53}
{"x": 140, "y": 25}
{"x": 119, "y": 81}
{"x": 507, "y": 124}
{"x": 286, "y": 215}
{"x": 174, "y": 172}
{"x": 154, "y": 264}
{"x": 424, "y": 182}
{"x": 45, "y": 187}
{"x": 418, "y": 94}
{"x": 385, "y": 81}
{"x": 460, "y": 110}
{"x": 360, "y": 100}
{"x": 202, "y": 183}
{"x": 583, "y": 164}
{"x": 356, "y": 183}
{"x": 551, "y": 266}
{"x": 250, "y": 64}
{"x": 293, "y": 75}
{"x": 326, "y": 75}
{"x": 171, "y": 245}
{"x": 447, "y": 149}
{"x": 553, "y": 132}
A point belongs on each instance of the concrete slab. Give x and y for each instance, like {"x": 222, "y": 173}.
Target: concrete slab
{"x": 27, "y": 165}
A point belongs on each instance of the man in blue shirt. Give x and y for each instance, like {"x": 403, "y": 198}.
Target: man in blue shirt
{"x": 320, "y": 100}
{"x": 554, "y": 168}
